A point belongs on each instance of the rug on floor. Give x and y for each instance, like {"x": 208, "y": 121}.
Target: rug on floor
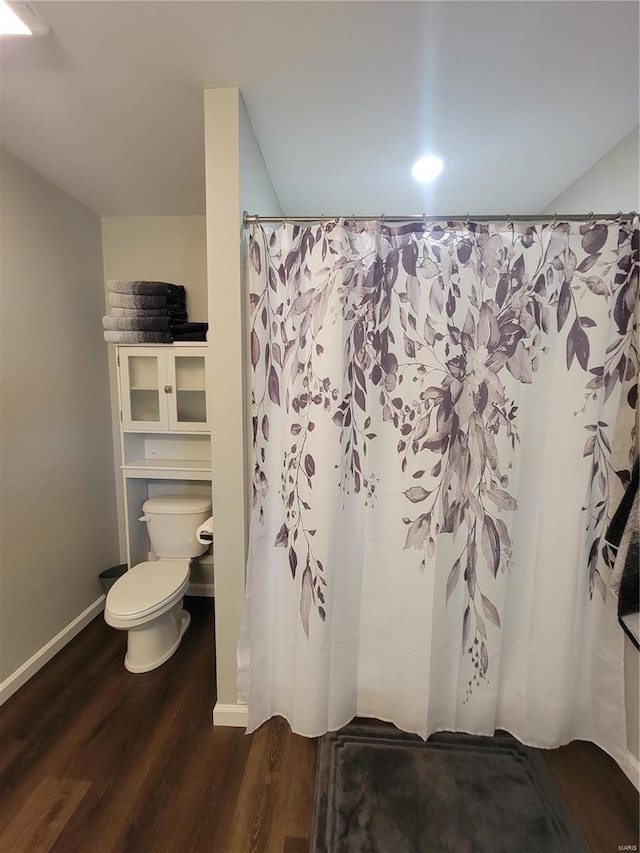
{"x": 381, "y": 790}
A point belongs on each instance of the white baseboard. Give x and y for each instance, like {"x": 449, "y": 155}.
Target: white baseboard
{"x": 632, "y": 770}
{"x": 231, "y": 715}
{"x": 27, "y": 670}
{"x": 204, "y": 590}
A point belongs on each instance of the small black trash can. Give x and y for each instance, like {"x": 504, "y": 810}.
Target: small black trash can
{"x": 110, "y": 576}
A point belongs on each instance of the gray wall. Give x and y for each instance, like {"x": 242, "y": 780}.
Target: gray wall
{"x": 257, "y": 195}
{"x": 58, "y": 523}
{"x": 610, "y": 185}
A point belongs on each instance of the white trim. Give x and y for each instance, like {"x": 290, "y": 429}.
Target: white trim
{"x": 632, "y": 770}
{"x": 231, "y": 715}
{"x": 204, "y": 590}
{"x": 27, "y": 670}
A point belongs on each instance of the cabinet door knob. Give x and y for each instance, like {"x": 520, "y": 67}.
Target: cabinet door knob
{"x": 168, "y": 389}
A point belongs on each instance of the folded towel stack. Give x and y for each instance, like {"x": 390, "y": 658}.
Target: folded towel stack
{"x": 149, "y": 312}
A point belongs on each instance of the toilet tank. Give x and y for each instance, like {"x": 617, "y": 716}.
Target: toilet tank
{"x": 172, "y": 523}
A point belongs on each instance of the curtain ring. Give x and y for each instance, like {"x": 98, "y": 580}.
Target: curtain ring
{"x": 553, "y": 220}
{"x": 466, "y": 221}
{"x": 424, "y": 220}
{"x": 619, "y": 217}
{"x": 284, "y": 220}
{"x": 257, "y": 219}
{"x": 509, "y": 222}
{"x": 382, "y": 219}
{"x": 591, "y": 217}
{"x": 322, "y": 220}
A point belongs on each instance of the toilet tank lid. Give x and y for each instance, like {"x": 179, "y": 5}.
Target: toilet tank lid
{"x": 176, "y": 505}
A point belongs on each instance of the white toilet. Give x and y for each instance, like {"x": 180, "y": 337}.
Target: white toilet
{"x": 147, "y": 600}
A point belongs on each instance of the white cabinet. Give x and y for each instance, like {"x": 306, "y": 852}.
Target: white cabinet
{"x": 163, "y": 388}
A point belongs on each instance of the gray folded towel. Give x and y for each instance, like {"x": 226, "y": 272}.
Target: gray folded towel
{"x": 128, "y": 300}
{"x": 145, "y": 288}
{"x": 149, "y": 312}
{"x": 137, "y": 337}
{"x": 137, "y": 324}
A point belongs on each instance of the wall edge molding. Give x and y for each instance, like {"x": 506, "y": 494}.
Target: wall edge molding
{"x": 28, "y": 669}
{"x": 231, "y": 715}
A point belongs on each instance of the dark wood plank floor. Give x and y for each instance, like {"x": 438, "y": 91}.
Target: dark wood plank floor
{"x": 94, "y": 759}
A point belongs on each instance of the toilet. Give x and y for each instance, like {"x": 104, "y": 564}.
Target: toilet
{"x": 147, "y": 601}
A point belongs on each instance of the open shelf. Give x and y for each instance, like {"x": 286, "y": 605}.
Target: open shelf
{"x": 198, "y": 469}
{"x": 168, "y": 456}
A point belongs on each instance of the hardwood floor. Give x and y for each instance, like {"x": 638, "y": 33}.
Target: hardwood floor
{"x": 602, "y": 799}
{"x": 94, "y": 759}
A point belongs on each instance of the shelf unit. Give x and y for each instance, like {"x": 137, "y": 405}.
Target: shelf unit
{"x": 164, "y": 438}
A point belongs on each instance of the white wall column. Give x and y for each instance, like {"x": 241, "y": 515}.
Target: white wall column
{"x": 236, "y": 179}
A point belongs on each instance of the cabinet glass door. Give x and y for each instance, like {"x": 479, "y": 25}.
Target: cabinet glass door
{"x": 143, "y": 402}
{"x": 190, "y": 404}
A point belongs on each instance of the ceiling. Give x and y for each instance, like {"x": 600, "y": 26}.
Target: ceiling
{"x": 521, "y": 98}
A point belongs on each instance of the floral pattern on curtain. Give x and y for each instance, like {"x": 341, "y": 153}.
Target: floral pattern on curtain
{"x": 433, "y": 332}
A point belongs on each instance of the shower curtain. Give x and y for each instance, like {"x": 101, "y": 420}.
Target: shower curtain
{"x": 444, "y": 422}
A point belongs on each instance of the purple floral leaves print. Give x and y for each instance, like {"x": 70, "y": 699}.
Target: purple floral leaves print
{"x": 289, "y": 327}
{"x": 451, "y": 432}
{"x": 620, "y": 367}
{"x": 433, "y": 328}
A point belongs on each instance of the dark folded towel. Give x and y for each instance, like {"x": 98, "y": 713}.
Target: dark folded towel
{"x": 138, "y": 324}
{"x": 128, "y": 300}
{"x": 189, "y": 336}
{"x": 145, "y": 288}
{"x": 189, "y": 331}
{"x": 137, "y": 337}
{"x": 173, "y": 313}
{"x": 621, "y": 515}
{"x": 184, "y": 328}
{"x": 629, "y": 594}
{"x": 623, "y": 535}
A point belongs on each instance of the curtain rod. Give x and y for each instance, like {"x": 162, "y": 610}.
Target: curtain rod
{"x": 249, "y": 219}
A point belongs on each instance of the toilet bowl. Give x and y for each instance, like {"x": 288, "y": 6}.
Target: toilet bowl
{"x": 147, "y": 601}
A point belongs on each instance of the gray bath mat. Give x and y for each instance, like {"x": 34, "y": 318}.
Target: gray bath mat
{"x": 379, "y": 790}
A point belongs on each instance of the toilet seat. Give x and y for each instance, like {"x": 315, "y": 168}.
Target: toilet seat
{"x": 146, "y": 589}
